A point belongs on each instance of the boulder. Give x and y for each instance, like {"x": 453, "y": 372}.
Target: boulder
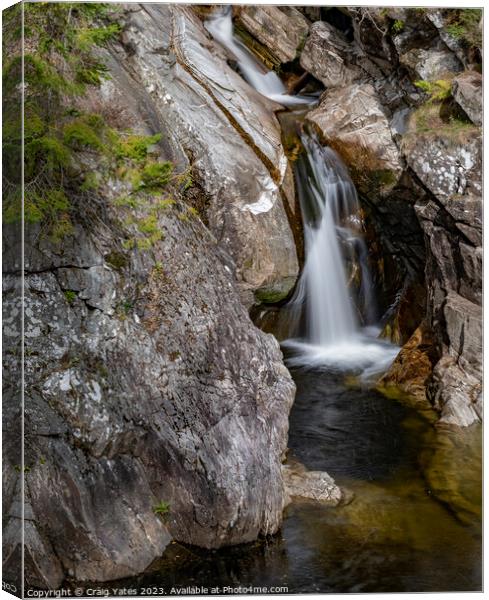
{"x": 353, "y": 121}
{"x": 431, "y": 64}
{"x": 146, "y": 385}
{"x": 282, "y": 29}
{"x": 467, "y": 91}
{"x": 326, "y": 55}
{"x": 301, "y": 484}
{"x": 410, "y": 373}
{"x": 447, "y": 160}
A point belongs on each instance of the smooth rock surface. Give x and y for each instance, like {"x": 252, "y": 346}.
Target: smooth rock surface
{"x": 169, "y": 71}
{"x": 301, "y": 484}
{"x": 283, "y": 29}
{"x": 353, "y": 121}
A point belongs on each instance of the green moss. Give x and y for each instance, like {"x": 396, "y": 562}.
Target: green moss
{"x": 155, "y": 176}
{"x": 464, "y": 25}
{"x": 426, "y": 121}
{"x": 158, "y": 268}
{"x": 91, "y": 182}
{"x": 116, "y": 259}
{"x": 272, "y": 295}
{"x": 162, "y": 205}
{"x": 438, "y": 90}
{"x": 70, "y": 296}
{"x": 384, "y": 177}
{"x": 397, "y": 26}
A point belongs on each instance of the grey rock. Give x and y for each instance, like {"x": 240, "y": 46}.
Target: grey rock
{"x": 326, "y": 55}
{"x": 282, "y": 29}
{"x": 467, "y": 91}
{"x": 447, "y": 166}
{"x": 177, "y": 79}
{"x": 431, "y": 64}
{"x": 172, "y": 396}
{"x": 302, "y": 484}
{"x": 441, "y": 18}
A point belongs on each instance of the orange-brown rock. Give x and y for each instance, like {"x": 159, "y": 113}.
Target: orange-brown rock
{"x": 412, "y": 368}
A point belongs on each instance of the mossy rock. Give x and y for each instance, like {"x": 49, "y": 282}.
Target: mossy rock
{"x": 275, "y": 293}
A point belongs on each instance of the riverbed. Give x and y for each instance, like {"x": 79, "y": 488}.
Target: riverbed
{"x": 414, "y": 523}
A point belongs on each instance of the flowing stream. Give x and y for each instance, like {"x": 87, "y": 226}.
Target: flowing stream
{"x": 268, "y": 83}
{"x": 414, "y": 523}
{"x": 338, "y": 332}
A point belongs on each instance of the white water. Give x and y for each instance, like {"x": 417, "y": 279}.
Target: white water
{"x": 333, "y": 237}
{"x": 268, "y": 83}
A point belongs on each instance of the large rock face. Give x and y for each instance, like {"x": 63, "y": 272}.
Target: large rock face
{"x": 449, "y": 165}
{"x": 211, "y": 116}
{"x": 146, "y": 382}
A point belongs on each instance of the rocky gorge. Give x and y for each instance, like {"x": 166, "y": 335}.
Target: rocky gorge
{"x": 147, "y": 383}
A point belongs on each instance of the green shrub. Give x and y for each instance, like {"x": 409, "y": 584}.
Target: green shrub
{"x": 79, "y": 134}
{"x": 437, "y": 90}
{"x": 397, "y": 26}
{"x": 156, "y": 175}
{"x": 135, "y": 147}
{"x": 464, "y": 25}
{"x": 162, "y": 508}
{"x": 59, "y": 38}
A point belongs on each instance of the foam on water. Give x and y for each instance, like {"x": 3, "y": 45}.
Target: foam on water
{"x": 267, "y": 83}
{"x": 333, "y": 234}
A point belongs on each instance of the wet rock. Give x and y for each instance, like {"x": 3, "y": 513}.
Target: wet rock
{"x": 302, "y": 484}
{"x": 283, "y": 29}
{"x": 467, "y": 91}
{"x": 411, "y": 371}
{"x": 452, "y": 466}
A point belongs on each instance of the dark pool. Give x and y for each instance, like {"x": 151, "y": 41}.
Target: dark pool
{"x": 414, "y": 522}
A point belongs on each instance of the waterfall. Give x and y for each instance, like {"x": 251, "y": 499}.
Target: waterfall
{"x": 340, "y": 332}
{"x": 267, "y": 83}
{"x": 333, "y": 236}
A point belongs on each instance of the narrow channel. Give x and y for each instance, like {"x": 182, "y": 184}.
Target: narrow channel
{"x": 411, "y": 522}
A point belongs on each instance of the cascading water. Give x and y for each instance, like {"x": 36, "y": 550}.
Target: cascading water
{"x": 268, "y": 83}
{"x": 333, "y": 239}
{"x": 333, "y": 242}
